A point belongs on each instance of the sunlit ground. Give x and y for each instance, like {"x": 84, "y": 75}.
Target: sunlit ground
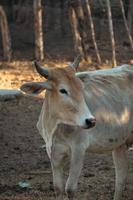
{"x": 13, "y": 74}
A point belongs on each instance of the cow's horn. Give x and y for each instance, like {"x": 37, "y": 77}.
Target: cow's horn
{"x": 41, "y": 70}
{"x": 76, "y": 62}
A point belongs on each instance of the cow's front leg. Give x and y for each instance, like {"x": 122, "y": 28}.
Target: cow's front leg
{"x": 121, "y": 168}
{"x": 77, "y": 157}
{"x": 57, "y": 162}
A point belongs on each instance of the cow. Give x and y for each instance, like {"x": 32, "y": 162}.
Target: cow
{"x": 85, "y": 111}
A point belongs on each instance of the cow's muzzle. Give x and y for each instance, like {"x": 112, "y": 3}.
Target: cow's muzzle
{"x": 89, "y": 123}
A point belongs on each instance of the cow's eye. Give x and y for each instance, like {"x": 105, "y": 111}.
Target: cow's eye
{"x": 63, "y": 91}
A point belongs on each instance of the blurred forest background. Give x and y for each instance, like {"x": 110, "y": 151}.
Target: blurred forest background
{"x": 58, "y": 26}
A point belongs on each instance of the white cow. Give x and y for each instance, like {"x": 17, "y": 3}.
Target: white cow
{"x": 92, "y": 110}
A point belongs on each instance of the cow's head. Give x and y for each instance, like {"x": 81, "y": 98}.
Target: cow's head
{"x": 64, "y": 94}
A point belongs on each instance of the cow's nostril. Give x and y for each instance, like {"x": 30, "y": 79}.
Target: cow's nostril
{"x": 90, "y": 122}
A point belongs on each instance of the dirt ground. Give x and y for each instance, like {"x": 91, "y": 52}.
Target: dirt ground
{"x": 22, "y": 157}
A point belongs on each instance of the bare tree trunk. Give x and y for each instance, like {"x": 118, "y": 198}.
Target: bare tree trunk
{"x": 39, "y": 46}
{"x": 76, "y": 36}
{"x": 81, "y": 27}
{"x": 126, "y": 25}
{"x": 111, "y": 32}
{"x": 87, "y": 7}
{"x": 5, "y": 35}
{"x": 130, "y": 16}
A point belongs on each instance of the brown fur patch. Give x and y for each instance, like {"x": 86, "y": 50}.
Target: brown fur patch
{"x": 67, "y": 77}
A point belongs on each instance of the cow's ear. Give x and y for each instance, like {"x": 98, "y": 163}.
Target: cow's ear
{"x": 34, "y": 88}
